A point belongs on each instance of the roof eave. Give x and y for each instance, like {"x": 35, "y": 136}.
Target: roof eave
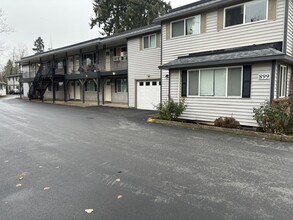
{"x": 227, "y": 62}
{"x": 186, "y": 13}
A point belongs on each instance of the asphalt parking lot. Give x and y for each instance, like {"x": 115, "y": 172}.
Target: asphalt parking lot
{"x": 57, "y": 161}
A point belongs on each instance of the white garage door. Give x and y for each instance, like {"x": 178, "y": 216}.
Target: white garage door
{"x": 148, "y": 94}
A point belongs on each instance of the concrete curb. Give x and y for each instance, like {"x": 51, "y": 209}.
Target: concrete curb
{"x": 276, "y": 137}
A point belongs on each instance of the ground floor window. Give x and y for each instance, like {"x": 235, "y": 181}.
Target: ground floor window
{"x": 121, "y": 85}
{"x": 282, "y": 81}
{"x": 219, "y": 82}
{"x": 90, "y": 86}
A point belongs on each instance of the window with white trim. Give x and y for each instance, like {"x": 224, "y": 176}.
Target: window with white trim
{"x": 187, "y": 26}
{"x": 282, "y": 81}
{"x": 220, "y": 82}
{"x": 149, "y": 41}
{"x": 246, "y": 13}
{"x": 121, "y": 85}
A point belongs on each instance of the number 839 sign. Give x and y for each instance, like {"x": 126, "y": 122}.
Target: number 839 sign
{"x": 264, "y": 76}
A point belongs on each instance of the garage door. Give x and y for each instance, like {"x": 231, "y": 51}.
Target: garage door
{"x": 148, "y": 94}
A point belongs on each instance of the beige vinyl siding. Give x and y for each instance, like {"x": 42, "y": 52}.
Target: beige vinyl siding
{"x": 165, "y": 85}
{"x": 209, "y": 108}
{"x": 290, "y": 30}
{"x": 236, "y": 36}
{"x": 142, "y": 65}
{"x": 175, "y": 85}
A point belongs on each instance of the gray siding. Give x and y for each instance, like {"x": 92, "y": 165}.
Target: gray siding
{"x": 290, "y": 30}
{"x": 236, "y": 36}
{"x": 142, "y": 64}
{"x": 210, "y": 108}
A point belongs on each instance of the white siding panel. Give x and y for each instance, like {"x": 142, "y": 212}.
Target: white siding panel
{"x": 175, "y": 85}
{"x": 290, "y": 30}
{"x": 142, "y": 64}
{"x": 25, "y": 90}
{"x": 165, "y": 85}
{"x": 209, "y": 108}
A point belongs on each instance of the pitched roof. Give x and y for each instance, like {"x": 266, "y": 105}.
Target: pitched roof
{"x": 224, "y": 57}
{"x": 115, "y": 37}
{"x": 196, "y": 7}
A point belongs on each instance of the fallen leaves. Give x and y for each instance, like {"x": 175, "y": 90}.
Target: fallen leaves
{"x": 46, "y": 188}
{"x": 151, "y": 120}
{"x": 118, "y": 180}
{"x": 18, "y": 185}
{"x": 21, "y": 175}
{"x": 119, "y": 197}
{"x": 89, "y": 211}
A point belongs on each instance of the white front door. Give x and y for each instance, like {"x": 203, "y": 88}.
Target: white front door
{"x": 77, "y": 90}
{"x": 108, "y": 91}
{"x": 148, "y": 94}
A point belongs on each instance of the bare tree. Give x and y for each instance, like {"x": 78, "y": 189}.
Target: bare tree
{"x": 4, "y": 27}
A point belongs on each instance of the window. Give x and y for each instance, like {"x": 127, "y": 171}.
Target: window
{"x": 186, "y": 27}
{"x": 121, "y": 85}
{"x": 141, "y": 83}
{"x": 89, "y": 59}
{"x": 149, "y": 41}
{"x": 154, "y": 83}
{"x": 90, "y": 86}
{"x": 234, "y": 81}
{"x": 282, "y": 81}
{"x": 1, "y": 87}
{"x": 220, "y": 82}
{"x": 246, "y": 13}
{"x": 59, "y": 65}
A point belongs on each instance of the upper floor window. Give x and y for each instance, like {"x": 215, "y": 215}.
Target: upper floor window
{"x": 187, "y": 26}
{"x": 89, "y": 59}
{"x": 246, "y": 13}
{"x": 149, "y": 41}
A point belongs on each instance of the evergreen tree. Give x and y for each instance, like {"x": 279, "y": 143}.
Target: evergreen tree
{"x": 10, "y": 68}
{"x": 115, "y": 16}
{"x": 39, "y": 45}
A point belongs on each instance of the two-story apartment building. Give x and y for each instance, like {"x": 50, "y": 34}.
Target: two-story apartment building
{"x": 223, "y": 57}
{"x": 95, "y": 70}
{"x": 13, "y": 81}
{"x": 2, "y": 89}
{"x": 226, "y": 57}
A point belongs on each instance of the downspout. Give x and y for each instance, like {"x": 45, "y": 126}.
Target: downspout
{"x": 273, "y": 81}
{"x": 161, "y": 71}
{"x": 286, "y": 17}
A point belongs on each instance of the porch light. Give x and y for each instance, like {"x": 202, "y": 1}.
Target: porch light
{"x": 114, "y": 73}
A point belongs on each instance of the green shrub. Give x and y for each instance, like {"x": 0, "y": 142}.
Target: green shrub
{"x": 227, "y": 122}
{"x": 275, "y": 118}
{"x": 171, "y": 110}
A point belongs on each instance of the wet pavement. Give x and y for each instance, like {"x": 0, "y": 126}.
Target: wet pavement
{"x": 57, "y": 161}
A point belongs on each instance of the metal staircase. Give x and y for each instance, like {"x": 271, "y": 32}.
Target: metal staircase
{"x": 40, "y": 84}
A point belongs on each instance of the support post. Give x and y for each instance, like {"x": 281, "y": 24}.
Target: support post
{"x": 53, "y": 80}
{"x": 82, "y": 82}
{"x": 98, "y": 90}
{"x": 103, "y": 91}
{"x": 65, "y": 90}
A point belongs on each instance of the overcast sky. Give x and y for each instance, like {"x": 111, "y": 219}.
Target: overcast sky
{"x": 60, "y": 22}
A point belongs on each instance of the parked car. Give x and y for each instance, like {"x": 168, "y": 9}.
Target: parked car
{"x": 14, "y": 92}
